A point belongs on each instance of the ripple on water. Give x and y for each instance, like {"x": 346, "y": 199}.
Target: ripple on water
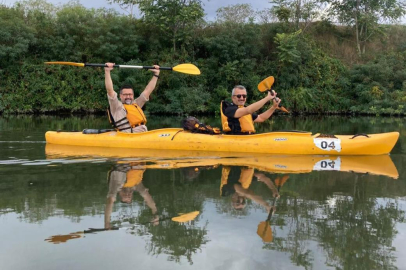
{"x": 41, "y": 142}
{"x": 14, "y": 161}
{"x": 39, "y": 162}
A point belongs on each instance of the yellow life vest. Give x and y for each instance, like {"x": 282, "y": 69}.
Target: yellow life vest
{"x": 246, "y": 122}
{"x": 134, "y": 177}
{"x": 225, "y": 171}
{"x": 135, "y": 117}
{"x": 245, "y": 177}
{"x": 279, "y": 182}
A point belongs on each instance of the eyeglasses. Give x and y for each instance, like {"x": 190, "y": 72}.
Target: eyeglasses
{"x": 127, "y": 95}
{"x": 241, "y": 96}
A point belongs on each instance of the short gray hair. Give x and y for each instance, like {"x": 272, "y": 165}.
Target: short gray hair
{"x": 238, "y": 87}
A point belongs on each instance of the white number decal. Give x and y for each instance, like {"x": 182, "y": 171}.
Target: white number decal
{"x": 328, "y": 165}
{"x": 328, "y": 144}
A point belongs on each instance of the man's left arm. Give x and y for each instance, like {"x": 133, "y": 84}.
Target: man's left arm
{"x": 152, "y": 83}
{"x": 265, "y": 115}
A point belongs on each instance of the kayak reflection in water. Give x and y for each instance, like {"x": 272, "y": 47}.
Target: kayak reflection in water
{"x": 235, "y": 181}
{"x": 123, "y": 180}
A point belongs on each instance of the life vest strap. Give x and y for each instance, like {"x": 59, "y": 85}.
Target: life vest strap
{"x": 122, "y": 119}
{"x": 117, "y": 126}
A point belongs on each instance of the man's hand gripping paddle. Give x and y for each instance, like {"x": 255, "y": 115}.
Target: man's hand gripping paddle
{"x": 266, "y": 85}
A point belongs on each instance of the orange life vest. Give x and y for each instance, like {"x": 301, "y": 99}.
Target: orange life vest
{"x": 135, "y": 117}
{"x": 245, "y": 177}
{"x": 225, "y": 171}
{"x": 134, "y": 177}
{"x": 246, "y": 122}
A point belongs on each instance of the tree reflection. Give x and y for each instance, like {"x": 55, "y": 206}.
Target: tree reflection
{"x": 336, "y": 214}
{"x": 353, "y": 227}
{"x": 357, "y": 231}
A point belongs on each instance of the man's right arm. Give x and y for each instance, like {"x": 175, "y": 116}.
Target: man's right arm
{"x": 255, "y": 106}
{"x": 108, "y": 81}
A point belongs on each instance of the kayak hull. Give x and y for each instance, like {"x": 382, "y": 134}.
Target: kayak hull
{"x": 292, "y": 143}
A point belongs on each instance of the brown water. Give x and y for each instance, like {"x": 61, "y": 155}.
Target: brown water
{"x": 335, "y": 214}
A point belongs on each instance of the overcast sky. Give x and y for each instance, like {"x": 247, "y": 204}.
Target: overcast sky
{"x": 210, "y": 6}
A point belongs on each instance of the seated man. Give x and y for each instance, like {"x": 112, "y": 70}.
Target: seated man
{"x": 126, "y": 114}
{"x": 238, "y": 119}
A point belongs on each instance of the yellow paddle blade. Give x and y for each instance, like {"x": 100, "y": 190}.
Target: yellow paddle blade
{"x": 283, "y": 109}
{"x": 66, "y": 63}
{"x": 57, "y": 239}
{"x": 187, "y": 68}
{"x": 186, "y": 217}
{"x": 279, "y": 182}
{"x": 266, "y": 84}
{"x": 265, "y": 231}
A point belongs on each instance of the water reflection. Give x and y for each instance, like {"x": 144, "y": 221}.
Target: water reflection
{"x": 303, "y": 206}
{"x": 177, "y": 234}
{"x": 124, "y": 180}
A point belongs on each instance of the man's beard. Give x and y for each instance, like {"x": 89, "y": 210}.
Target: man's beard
{"x": 128, "y": 101}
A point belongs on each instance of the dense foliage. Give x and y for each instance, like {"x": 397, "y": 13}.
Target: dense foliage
{"x": 311, "y": 77}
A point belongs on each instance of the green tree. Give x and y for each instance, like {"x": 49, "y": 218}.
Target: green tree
{"x": 379, "y": 86}
{"x": 16, "y": 36}
{"x": 310, "y": 79}
{"x": 365, "y": 16}
{"x": 175, "y": 19}
{"x": 127, "y": 5}
{"x": 281, "y": 10}
{"x": 265, "y": 16}
{"x": 239, "y": 13}
{"x": 301, "y": 12}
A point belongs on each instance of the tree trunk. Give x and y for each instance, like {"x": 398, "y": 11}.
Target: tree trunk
{"x": 364, "y": 43}
{"x": 298, "y": 12}
{"x": 174, "y": 40}
{"x": 357, "y": 29}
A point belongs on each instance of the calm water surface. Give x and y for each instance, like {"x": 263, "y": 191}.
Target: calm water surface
{"x": 80, "y": 208}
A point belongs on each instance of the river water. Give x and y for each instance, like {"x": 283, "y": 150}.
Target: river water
{"x": 81, "y": 208}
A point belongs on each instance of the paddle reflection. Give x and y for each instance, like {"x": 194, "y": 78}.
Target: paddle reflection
{"x": 264, "y": 228}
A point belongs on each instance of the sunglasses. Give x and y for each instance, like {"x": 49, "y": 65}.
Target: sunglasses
{"x": 241, "y": 96}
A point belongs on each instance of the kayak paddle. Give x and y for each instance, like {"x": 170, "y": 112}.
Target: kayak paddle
{"x": 57, "y": 239}
{"x": 266, "y": 85}
{"x": 182, "y": 68}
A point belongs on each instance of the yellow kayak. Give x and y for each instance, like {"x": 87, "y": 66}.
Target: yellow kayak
{"x": 292, "y": 143}
{"x": 172, "y": 159}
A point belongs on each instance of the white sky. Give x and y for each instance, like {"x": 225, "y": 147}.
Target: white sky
{"x": 210, "y": 6}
